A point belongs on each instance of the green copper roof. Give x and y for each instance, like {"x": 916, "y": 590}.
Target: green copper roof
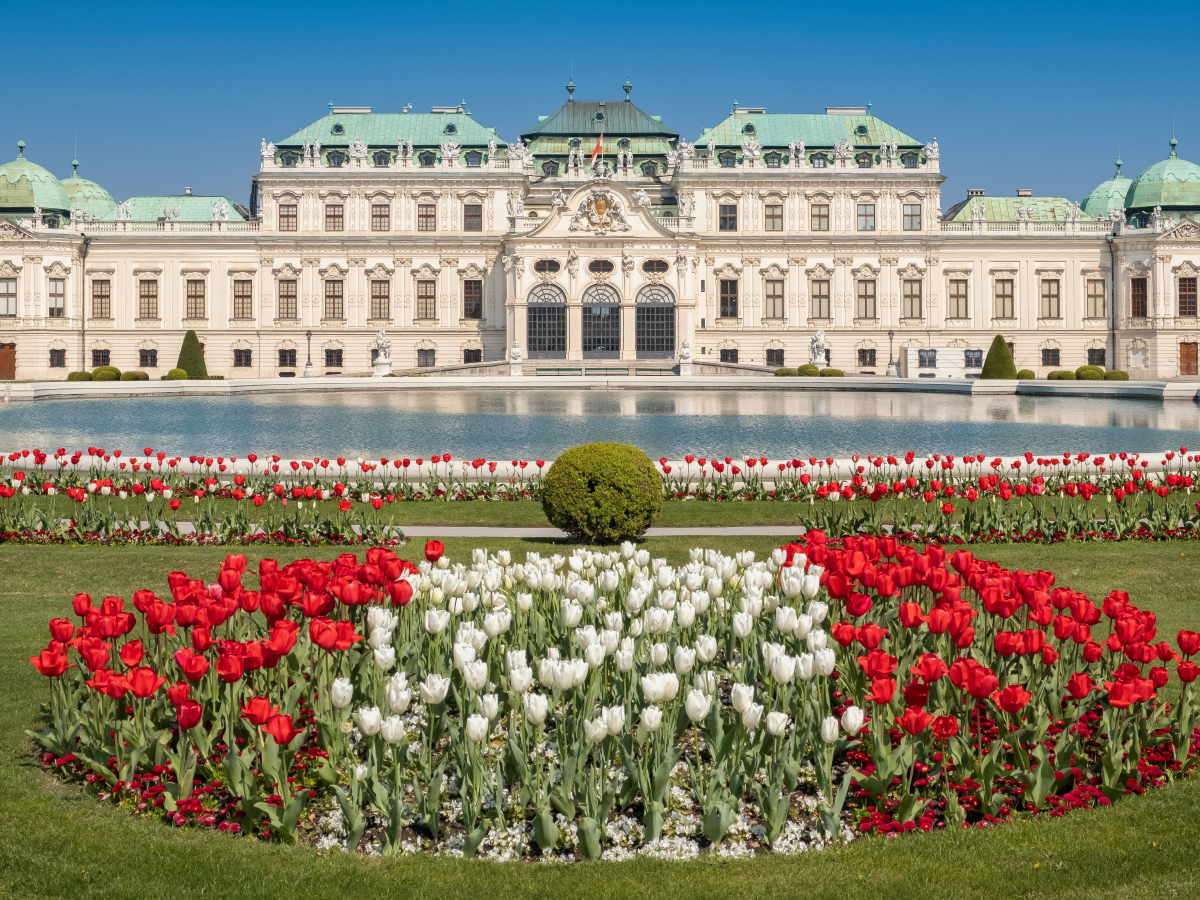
{"x": 1107, "y": 196}
{"x": 24, "y": 185}
{"x": 1004, "y": 209}
{"x": 191, "y": 209}
{"x": 1173, "y": 183}
{"x": 583, "y": 118}
{"x": 87, "y": 195}
{"x": 816, "y": 130}
{"x": 385, "y": 129}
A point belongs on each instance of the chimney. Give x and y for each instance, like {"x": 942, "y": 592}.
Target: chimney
{"x": 974, "y": 192}
{"x": 187, "y": 192}
{"x": 1024, "y": 192}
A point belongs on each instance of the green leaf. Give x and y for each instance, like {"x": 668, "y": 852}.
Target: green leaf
{"x": 590, "y": 838}
{"x": 717, "y": 821}
{"x": 545, "y": 832}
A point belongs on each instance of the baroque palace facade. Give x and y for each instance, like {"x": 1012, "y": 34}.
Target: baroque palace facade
{"x": 468, "y": 250}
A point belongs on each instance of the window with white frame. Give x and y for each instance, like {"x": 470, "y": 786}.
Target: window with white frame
{"x": 864, "y": 307}
{"x": 911, "y": 299}
{"x": 957, "y": 307}
{"x": 819, "y": 308}
{"x": 1095, "y": 298}
{"x": 8, "y": 297}
{"x": 57, "y": 298}
{"x": 773, "y": 308}
{"x": 1051, "y": 306}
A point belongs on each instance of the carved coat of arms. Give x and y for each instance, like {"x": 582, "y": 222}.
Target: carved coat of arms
{"x": 601, "y": 213}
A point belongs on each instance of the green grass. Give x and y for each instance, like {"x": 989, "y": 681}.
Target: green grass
{"x": 59, "y": 843}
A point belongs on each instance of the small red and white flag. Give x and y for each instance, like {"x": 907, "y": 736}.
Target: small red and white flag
{"x": 599, "y": 147}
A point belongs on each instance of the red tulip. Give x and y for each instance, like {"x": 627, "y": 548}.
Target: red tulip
{"x": 108, "y": 682}
{"x": 145, "y": 682}
{"x": 188, "y": 714}
{"x": 51, "y": 662}
{"x": 916, "y": 693}
{"x": 82, "y": 604}
{"x": 259, "y": 711}
{"x": 1079, "y": 685}
{"x": 914, "y": 721}
{"x": 870, "y": 635}
{"x": 1189, "y": 642}
{"x": 230, "y": 667}
{"x": 1092, "y": 652}
{"x": 194, "y": 665}
{"x": 930, "y": 668}
{"x": 844, "y": 633}
{"x": 179, "y": 692}
{"x": 280, "y": 728}
{"x": 323, "y": 633}
{"x": 131, "y": 653}
{"x": 1187, "y": 671}
{"x": 400, "y": 592}
{"x": 61, "y": 630}
{"x": 1159, "y": 676}
{"x": 1121, "y": 695}
{"x": 944, "y": 727}
{"x": 878, "y": 664}
{"x": 911, "y": 615}
{"x": 882, "y": 691}
{"x": 435, "y": 549}
{"x": 1013, "y": 698}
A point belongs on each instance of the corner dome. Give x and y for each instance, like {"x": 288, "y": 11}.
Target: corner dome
{"x": 87, "y": 195}
{"x": 1106, "y": 196}
{"x": 1173, "y": 183}
{"x": 24, "y": 185}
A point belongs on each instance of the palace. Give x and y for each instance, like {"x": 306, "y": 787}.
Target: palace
{"x": 483, "y": 256}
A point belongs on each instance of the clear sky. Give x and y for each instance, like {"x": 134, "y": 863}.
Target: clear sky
{"x": 160, "y": 96}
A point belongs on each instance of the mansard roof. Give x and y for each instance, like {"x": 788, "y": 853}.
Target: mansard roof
{"x": 1004, "y": 209}
{"x": 385, "y": 129}
{"x": 815, "y": 129}
{"x": 191, "y": 208}
{"x": 619, "y": 118}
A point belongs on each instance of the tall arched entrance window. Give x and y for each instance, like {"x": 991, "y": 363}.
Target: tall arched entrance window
{"x": 601, "y": 322}
{"x": 655, "y": 322}
{"x": 546, "y": 322}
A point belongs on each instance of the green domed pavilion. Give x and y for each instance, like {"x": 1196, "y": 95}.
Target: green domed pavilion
{"x": 86, "y": 195}
{"x": 26, "y": 187}
{"x": 1173, "y": 185}
{"x": 1107, "y": 195}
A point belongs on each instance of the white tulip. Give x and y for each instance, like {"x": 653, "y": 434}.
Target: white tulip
{"x": 627, "y": 549}
{"x": 578, "y": 670}
{"x": 378, "y": 617}
{"x": 707, "y": 682}
{"x": 742, "y": 625}
{"x": 776, "y": 723}
{"x": 706, "y": 648}
{"x": 463, "y": 654}
{"x": 475, "y": 674}
{"x": 791, "y": 585}
{"x": 658, "y": 654}
{"x": 491, "y": 625}
{"x": 741, "y": 696}
{"x": 524, "y": 602}
{"x": 624, "y": 660}
{"x": 610, "y": 639}
{"x": 393, "y": 730}
{"x": 571, "y": 613}
{"x": 478, "y": 556}
{"x": 697, "y": 704}
{"x": 715, "y": 586}
{"x": 778, "y": 556}
{"x": 504, "y": 558}
{"x": 825, "y": 661}
{"x": 658, "y": 620}
{"x": 651, "y": 718}
{"x": 536, "y": 706}
{"x": 369, "y": 720}
{"x": 635, "y": 628}
{"x": 341, "y": 692}
{"x": 665, "y": 576}
{"x": 686, "y": 615}
{"x": 770, "y": 650}
{"x": 361, "y": 771}
{"x": 594, "y": 655}
{"x": 433, "y": 689}
{"x": 520, "y": 679}
{"x": 436, "y": 620}
{"x": 785, "y": 619}
{"x": 783, "y": 668}
{"x": 685, "y": 658}
{"x": 385, "y": 658}
{"x": 477, "y": 728}
{"x": 805, "y": 666}
{"x": 812, "y": 584}
{"x": 752, "y": 715}
{"x": 818, "y": 610}
{"x": 596, "y": 729}
{"x": 817, "y": 639}
{"x": 615, "y": 716}
{"x": 852, "y": 720}
{"x": 804, "y": 624}
{"x": 489, "y": 706}
{"x": 700, "y": 600}
{"x": 641, "y": 558}
{"x": 829, "y": 730}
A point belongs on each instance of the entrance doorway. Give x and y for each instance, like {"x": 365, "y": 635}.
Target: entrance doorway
{"x": 1187, "y": 359}
{"x": 8, "y": 362}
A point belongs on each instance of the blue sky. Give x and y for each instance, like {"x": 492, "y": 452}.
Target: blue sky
{"x": 1022, "y": 95}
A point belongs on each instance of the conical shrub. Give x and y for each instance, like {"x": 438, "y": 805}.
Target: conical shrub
{"x": 191, "y": 358}
{"x": 999, "y": 362}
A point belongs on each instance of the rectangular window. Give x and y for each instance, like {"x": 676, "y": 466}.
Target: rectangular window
{"x": 1004, "y": 299}
{"x": 99, "y": 358}
{"x": 102, "y": 299}
{"x": 912, "y": 216}
{"x": 195, "y": 299}
{"x": 243, "y": 299}
{"x": 287, "y": 359}
{"x": 58, "y": 295}
{"x": 381, "y": 307}
{"x": 1096, "y": 357}
{"x": 426, "y": 217}
{"x": 287, "y": 299}
{"x": 912, "y": 300}
{"x": 8, "y": 296}
{"x": 819, "y": 216}
{"x": 729, "y": 298}
{"x": 926, "y": 359}
{"x": 287, "y": 217}
{"x": 1050, "y": 308}
{"x": 472, "y": 217}
{"x": 333, "y": 359}
{"x": 335, "y": 219}
{"x": 381, "y": 217}
{"x": 820, "y": 300}
{"x": 334, "y": 307}
{"x": 426, "y": 359}
{"x": 864, "y": 307}
{"x": 775, "y": 357}
{"x": 973, "y": 359}
{"x": 148, "y": 359}
{"x": 147, "y": 299}
{"x": 866, "y": 358}
{"x": 729, "y": 356}
{"x": 957, "y": 308}
{"x": 426, "y": 299}
{"x": 1137, "y": 298}
{"x": 472, "y": 356}
{"x": 58, "y": 359}
{"x": 773, "y": 217}
{"x": 473, "y": 299}
{"x": 1095, "y": 299}
{"x": 774, "y": 307}
{"x": 1050, "y": 356}
{"x": 866, "y": 217}
{"x": 728, "y": 215}
{"x": 242, "y": 359}
{"x": 1187, "y": 297}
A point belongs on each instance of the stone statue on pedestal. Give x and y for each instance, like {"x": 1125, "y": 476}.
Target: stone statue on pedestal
{"x": 383, "y": 354}
{"x": 514, "y": 359}
{"x": 817, "y": 347}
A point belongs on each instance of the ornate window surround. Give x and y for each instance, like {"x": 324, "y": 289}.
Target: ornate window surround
{"x": 820, "y": 272}
{"x": 193, "y": 272}
{"x": 1004, "y": 272}
{"x": 242, "y": 273}
{"x": 473, "y": 272}
{"x": 91, "y": 274}
{"x": 333, "y": 272}
{"x": 427, "y": 272}
{"x": 775, "y": 272}
{"x": 865, "y": 272}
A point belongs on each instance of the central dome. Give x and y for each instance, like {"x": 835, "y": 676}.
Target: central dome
{"x": 1107, "y": 196}
{"x": 87, "y": 195}
{"x": 1173, "y": 183}
{"x": 24, "y": 185}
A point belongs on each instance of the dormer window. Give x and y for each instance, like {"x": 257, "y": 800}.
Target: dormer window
{"x": 910, "y": 160}
{"x": 623, "y": 143}
{"x": 819, "y": 161}
{"x": 575, "y": 143}
{"x": 728, "y": 159}
{"x": 649, "y": 169}
{"x": 450, "y": 129}
{"x": 335, "y": 159}
{"x": 427, "y": 158}
{"x": 383, "y": 159}
{"x": 748, "y": 128}
{"x": 550, "y": 168}
{"x": 773, "y": 160}
{"x": 474, "y": 159}
{"x": 863, "y": 160}
{"x": 288, "y": 160}
{"x": 338, "y": 128}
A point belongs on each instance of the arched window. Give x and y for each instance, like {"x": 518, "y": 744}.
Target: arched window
{"x": 383, "y": 158}
{"x": 863, "y": 160}
{"x": 427, "y": 158}
{"x": 910, "y": 160}
{"x": 728, "y": 159}
{"x": 546, "y": 322}
{"x": 550, "y": 168}
{"x": 773, "y": 160}
{"x": 335, "y": 159}
{"x": 601, "y": 331}
{"x": 474, "y": 159}
{"x": 288, "y": 160}
{"x": 655, "y": 266}
{"x": 649, "y": 169}
{"x": 655, "y": 319}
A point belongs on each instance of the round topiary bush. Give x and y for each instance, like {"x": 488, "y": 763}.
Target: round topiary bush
{"x": 1089, "y": 373}
{"x": 832, "y": 373}
{"x": 784, "y": 373}
{"x": 1027, "y": 375}
{"x": 106, "y": 373}
{"x": 134, "y": 376}
{"x": 1061, "y": 375}
{"x": 79, "y": 376}
{"x": 176, "y": 375}
{"x": 1116, "y": 375}
{"x": 808, "y": 370}
{"x": 602, "y": 493}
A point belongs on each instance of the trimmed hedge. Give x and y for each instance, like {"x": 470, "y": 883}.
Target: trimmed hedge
{"x": 134, "y": 376}
{"x": 784, "y": 373}
{"x": 191, "y": 358}
{"x": 1061, "y": 375}
{"x": 602, "y": 493}
{"x": 1116, "y": 375}
{"x": 832, "y": 373}
{"x": 106, "y": 373}
{"x": 1089, "y": 373}
{"x": 808, "y": 370}
{"x": 176, "y": 375}
{"x": 79, "y": 376}
{"x": 1027, "y": 375}
{"x": 999, "y": 362}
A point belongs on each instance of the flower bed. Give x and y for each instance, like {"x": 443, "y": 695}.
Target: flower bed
{"x": 605, "y": 704}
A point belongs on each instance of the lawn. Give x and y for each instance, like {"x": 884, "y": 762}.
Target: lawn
{"x": 60, "y": 843}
